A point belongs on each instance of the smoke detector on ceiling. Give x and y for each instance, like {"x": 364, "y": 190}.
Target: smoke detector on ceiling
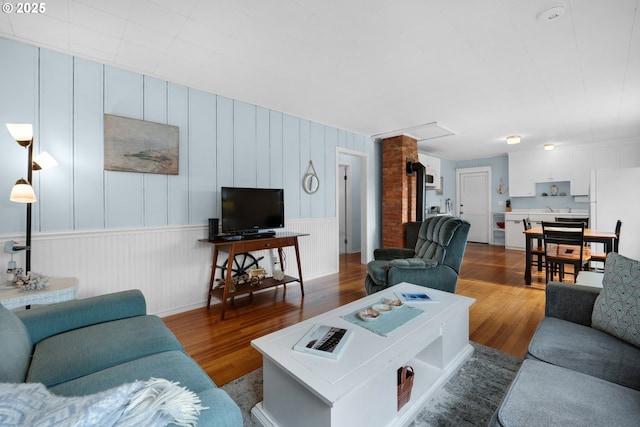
{"x": 550, "y": 14}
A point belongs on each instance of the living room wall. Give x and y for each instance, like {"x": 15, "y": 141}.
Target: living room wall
{"x": 223, "y": 142}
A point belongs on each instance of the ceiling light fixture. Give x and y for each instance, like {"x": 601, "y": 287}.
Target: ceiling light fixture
{"x": 549, "y": 147}
{"x": 513, "y": 139}
{"x": 550, "y": 14}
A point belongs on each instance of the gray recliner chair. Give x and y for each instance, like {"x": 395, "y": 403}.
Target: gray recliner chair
{"x": 434, "y": 263}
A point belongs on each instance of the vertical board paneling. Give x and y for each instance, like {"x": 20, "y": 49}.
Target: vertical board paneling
{"x": 156, "y": 259}
{"x": 291, "y": 165}
{"x": 350, "y": 141}
{"x": 202, "y": 157}
{"x": 245, "y": 159}
{"x": 87, "y": 146}
{"x": 56, "y": 137}
{"x": 123, "y": 190}
{"x": 342, "y": 139}
{"x": 303, "y": 163}
{"x": 263, "y": 169}
{"x": 276, "y": 157}
{"x": 18, "y": 104}
{"x": 155, "y": 185}
{"x": 330, "y": 145}
{"x": 178, "y": 185}
{"x": 359, "y": 143}
{"x": 224, "y": 142}
{"x": 317, "y": 151}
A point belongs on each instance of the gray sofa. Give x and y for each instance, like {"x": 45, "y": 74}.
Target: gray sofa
{"x": 86, "y": 346}
{"x": 582, "y": 366}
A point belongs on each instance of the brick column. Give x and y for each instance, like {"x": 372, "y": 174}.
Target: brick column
{"x": 398, "y": 189}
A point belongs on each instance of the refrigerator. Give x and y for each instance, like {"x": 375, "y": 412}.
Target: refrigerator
{"x": 614, "y": 195}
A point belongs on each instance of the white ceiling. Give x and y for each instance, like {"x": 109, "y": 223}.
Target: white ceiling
{"x": 481, "y": 69}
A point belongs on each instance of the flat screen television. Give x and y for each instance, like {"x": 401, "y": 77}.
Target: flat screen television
{"x": 249, "y": 210}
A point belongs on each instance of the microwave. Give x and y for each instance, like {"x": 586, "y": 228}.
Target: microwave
{"x": 429, "y": 179}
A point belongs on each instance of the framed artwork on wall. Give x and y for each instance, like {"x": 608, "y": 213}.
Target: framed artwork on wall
{"x": 132, "y": 145}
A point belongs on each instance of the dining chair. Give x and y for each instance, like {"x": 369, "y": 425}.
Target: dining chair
{"x": 564, "y": 245}
{"x": 602, "y": 256}
{"x": 573, "y": 219}
{"x": 537, "y": 250}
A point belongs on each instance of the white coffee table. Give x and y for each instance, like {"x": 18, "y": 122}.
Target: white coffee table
{"x": 361, "y": 387}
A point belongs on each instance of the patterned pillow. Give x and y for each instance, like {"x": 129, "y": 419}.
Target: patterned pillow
{"x": 617, "y": 308}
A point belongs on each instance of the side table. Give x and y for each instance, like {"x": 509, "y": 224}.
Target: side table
{"x": 234, "y": 247}
{"x": 60, "y": 289}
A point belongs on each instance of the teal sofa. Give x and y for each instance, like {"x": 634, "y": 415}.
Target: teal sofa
{"x": 434, "y": 262}
{"x": 86, "y": 346}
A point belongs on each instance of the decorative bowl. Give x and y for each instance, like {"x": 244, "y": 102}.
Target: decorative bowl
{"x": 369, "y": 314}
{"x": 394, "y": 303}
{"x": 381, "y": 308}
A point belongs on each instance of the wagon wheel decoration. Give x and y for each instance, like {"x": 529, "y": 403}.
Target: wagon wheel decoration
{"x": 242, "y": 263}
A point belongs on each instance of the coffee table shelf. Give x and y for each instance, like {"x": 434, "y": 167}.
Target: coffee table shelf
{"x": 361, "y": 387}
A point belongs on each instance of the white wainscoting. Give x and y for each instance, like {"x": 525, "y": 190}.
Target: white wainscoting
{"x": 168, "y": 264}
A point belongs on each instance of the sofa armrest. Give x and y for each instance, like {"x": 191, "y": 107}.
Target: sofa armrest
{"x": 573, "y": 303}
{"x": 387, "y": 254}
{"x": 441, "y": 277}
{"x": 49, "y": 320}
{"x": 413, "y": 263}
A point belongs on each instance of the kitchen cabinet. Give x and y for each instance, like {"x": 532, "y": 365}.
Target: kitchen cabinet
{"x": 585, "y": 160}
{"x": 573, "y": 164}
{"x": 432, "y": 166}
{"x": 628, "y": 156}
{"x": 513, "y": 231}
{"x": 521, "y": 175}
{"x": 551, "y": 166}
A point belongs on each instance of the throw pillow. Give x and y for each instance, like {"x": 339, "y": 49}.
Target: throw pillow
{"x": 617, "y": 308}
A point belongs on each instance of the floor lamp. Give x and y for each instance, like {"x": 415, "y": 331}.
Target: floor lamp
{"x": 22, "y": 191}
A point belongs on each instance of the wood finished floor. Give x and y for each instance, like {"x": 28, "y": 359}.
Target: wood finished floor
{"x": 504, "y": 316}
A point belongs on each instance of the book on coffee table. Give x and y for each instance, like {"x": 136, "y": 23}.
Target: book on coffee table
{"x": 414, "y": 297}
{"x": 323, "y": 340}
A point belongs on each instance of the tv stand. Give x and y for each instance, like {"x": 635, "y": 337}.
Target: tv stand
{"x": 247, "y": 235}
{"x": 243, "y": 245}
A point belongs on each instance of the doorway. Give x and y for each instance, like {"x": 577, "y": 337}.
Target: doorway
{"x": 356, "y": 215}
{"x": 345, "y": 200}
{"x": 474, "y": 200}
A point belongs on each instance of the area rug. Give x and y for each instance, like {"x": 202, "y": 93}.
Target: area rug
{"x": 468, "y": 399}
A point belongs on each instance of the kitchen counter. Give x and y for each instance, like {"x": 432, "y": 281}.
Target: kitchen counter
{"x": 514, "y": 228}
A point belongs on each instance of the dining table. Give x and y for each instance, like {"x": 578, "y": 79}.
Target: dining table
{"x": 606, "y": 237}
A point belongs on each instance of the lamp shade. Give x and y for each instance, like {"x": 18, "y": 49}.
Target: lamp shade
{"x": 21, "y": 132}
{"x": 22, "y": 192}
{"x": 44, "y": 160}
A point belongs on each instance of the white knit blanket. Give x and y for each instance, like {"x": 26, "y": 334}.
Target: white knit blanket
{"x": 156, "y": 402}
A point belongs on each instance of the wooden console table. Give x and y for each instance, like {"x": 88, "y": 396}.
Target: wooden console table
{"x": 235, "y": 247}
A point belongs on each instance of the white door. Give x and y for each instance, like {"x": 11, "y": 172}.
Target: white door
{"x": 474, "y": 201}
